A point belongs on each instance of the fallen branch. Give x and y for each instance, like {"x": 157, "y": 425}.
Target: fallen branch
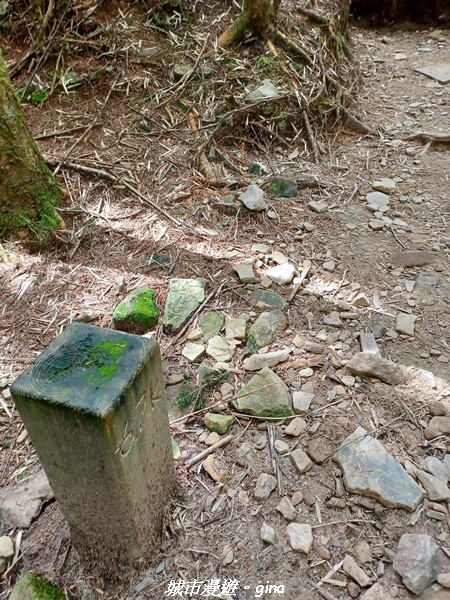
{"x": 312, "y": 139}
{"x": 201, "y": 455}
{"x": 438, "y": 138}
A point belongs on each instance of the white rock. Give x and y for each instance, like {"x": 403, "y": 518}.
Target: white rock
{"x": 253, "y": 198}
{"x": 404, "y": 323}
{"x": 281, "y": 274}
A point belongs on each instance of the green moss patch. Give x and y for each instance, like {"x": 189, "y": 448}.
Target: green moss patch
{"x": 33, "y": 587}
{"x": 137, "y": 313}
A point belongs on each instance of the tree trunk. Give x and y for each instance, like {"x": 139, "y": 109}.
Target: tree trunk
{"x": 28, "y": 191}
{"x": 255, "y": 18}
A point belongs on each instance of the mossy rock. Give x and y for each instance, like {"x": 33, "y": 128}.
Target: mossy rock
{"x": 283, "y": 188}
{"x": 137, "y": 313}
{"x": 218, "y": 423}
{"x": 33, "y": 587}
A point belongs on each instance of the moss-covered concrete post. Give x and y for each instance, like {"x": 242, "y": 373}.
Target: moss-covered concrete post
{"x": 93, "y": 404}
{"x": 28, "y": 191}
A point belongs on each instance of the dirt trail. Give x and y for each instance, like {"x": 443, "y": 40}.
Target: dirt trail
{"x": 213, "y": 530}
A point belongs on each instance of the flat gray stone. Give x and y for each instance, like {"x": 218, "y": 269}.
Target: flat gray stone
{"x": 268, "y": 298}
{"x": 378, "y": 591}
{"x": 318, "y": 206}
{"x": 367, "y": 364}
{"x": 378, "y": 199}
{"x": 185, "y": 296}
{"x": 436, "y": 467}
{"x": 376, "y": 225}
{"x": 256, "y": 362}
{"x": 264, "y": 486}
{"x": 404, "y": 323}
{"x": 371, "y": 471}
{"x": 438, "y": 426}
{"x": 265, "y": 395}
{"x": 235, "y": 329}
{"x": 296, "y": 427}
{"x": 265, "y": 329}
{"x": 300, "y": 460}
{"x": 438, "y": 71}
{"x": 193, "y": 351}
{"x": 22, "y": 503}
{"x": 384, "y": 185}
{"x": 302, "y": 401}
{"x": 281, "y": 447}
{"x": 265, "y": 91}
{"x": 219, "y": 349}
{"x": 368, "y": 343}
{"x": 287, "y": 509}
{"x": 436, "y": 489}
{"x": 253, "y": 199}
{"x": 211, "y": 324}
{"x": 267, "y": 534}
{"x": 300, "y": 537}
{"x": 6, "y": 547}
{"x": 281, "y": 274}
{"x": 245, "y": 272}
{"x": 417, "y": 561}
{"x": 352, "y": 569}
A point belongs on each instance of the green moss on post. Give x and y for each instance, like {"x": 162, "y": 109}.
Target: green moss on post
{"x": 28, "y": 191}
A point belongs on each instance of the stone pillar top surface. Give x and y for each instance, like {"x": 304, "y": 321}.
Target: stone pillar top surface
{"x": 86, "y": 368}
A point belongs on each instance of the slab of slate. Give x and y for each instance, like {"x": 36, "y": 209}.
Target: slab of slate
{"x": 368, "y": 364}
{"x": 185, "y": 296}
{"x": 265, "y": 395}
{"x": 269, "y": 298}
{"x": 368, "y": 469}
{"x": 439, "y": 71}
{"x": 266, "y": 91}
{"x": 417, "y": 561}
{"x": 245, "y": 272}
{"x": 404, "y": 323}
{"x": 368, "y": 343}
{"x": 265, "y": 329}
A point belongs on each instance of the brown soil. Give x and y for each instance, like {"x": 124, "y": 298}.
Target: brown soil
{"x": 111, "y": 234}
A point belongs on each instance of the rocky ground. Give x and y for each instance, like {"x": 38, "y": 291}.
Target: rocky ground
{"x": 330, "y": 287}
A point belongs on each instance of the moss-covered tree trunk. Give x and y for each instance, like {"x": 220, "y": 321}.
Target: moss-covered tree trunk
{"x": 28, "y": 191}
{"x": 255, "y": 18}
